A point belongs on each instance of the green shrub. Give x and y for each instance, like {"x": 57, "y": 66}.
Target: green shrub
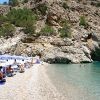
{"x": 3, "y": 19}
{"x": 63, "y": 22}
{"x": 98, "y": 4}
{"x": 25, "y": 1}
{"x": 7, "y": 29}
{"x": 83, "y": 22}
{"x": 13, "y": 2}
{"x": 65, "y": 31}
{"x": 65, "y": 6}
{"x": 30, "y": 30}
{"x": 42, "y": 8}
{"x": 21, "y": 17}
{"x": 47, "y": 31}
{"x": 1, "y": 32}
{"x": 95, "y": 4}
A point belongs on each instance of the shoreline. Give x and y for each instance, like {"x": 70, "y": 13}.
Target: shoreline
{"x": 35, "y": 84}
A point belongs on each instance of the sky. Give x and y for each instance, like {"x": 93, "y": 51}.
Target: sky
{"x": 1, "y": 1}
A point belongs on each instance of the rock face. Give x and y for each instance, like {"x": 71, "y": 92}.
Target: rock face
{"x": 4, "y": 9}
{"x": 54, "y": 49}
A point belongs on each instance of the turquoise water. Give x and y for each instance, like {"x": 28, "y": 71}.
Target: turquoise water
{"x": 84, "y": 77}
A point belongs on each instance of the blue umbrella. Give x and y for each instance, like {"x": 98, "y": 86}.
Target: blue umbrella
{"x": 5, "y": 57}
{"x": 18, "y": 57}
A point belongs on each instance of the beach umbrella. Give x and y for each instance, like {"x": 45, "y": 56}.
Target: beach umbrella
{"x": 18, "y": 57}
{"x": 5, "y": 57}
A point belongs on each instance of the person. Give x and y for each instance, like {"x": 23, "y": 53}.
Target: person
{"x": 2, "y": 76}
{"x": 9, "y": 71}
{"x": 15, "y": 62}
{"x": 37, "y": 59}
{"x": 21, "y": 68}
{"x": 4, "y": 71}
{"x": 1, "y": 73}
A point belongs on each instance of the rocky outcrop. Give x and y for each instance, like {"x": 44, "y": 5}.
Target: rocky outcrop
{"x": 4, "y": 9}
{"x": 7, "y": 44}
{"x": 53, "y": 50}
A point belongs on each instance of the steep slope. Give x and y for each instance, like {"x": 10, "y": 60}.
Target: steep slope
{"x": 76, "y": 35}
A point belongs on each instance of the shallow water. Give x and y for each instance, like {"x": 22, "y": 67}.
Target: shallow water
{"x": 84, "y": 77}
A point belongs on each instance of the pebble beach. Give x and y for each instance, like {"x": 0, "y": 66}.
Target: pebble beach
{"x": 33, "y": 84}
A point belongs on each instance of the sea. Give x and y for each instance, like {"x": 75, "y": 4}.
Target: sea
{"x": 76, "y": 81}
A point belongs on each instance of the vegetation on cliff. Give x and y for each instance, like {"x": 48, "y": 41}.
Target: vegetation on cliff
{"x": 20, "y": 18}
{"x": 65, "y": 31}
{"x": 83, "y": 22}
{"x": 47, "y": 31}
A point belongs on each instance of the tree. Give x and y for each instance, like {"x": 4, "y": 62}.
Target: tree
{"x": 5, "y": 3}
{"x": 13, "y": 2}
{"x": 21, "y": 17}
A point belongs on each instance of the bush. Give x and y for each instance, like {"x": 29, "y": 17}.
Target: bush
{"x": 1, "y": 32}
{"x": 30, "y": 30}
{"x": 7, "y": 29}
{"x": 65, "y": 6}
{"x": 21, "y": 17}
{"x": 42, "y": 8}
{"x": 47, "y": 31}
{"x": 3, "y": 19}
{"x": 63, "y": 22}
{"x": 13, "y": 2}
{"x": 98, "y": 4}
{"x": 65, "y": 31}
{"x": 25, "y": 1}
{"x": 83, "y": 22}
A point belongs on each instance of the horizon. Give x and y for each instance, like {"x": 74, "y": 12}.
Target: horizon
{"x": 2, "y": 1}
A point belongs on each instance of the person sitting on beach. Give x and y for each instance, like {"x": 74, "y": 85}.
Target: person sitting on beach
{"x": 1, "y": 75}
{"x": 21, "y": 68}
{"x": 15, "y": 62}
{"x": 9, "y": 71}
{"x": 4, "y": 71}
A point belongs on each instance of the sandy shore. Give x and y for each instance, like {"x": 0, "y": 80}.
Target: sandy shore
{"x": 31, "y": 85}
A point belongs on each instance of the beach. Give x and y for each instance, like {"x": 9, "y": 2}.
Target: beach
{"x": 34, "y": 84}
{"x": 31, "y": 85}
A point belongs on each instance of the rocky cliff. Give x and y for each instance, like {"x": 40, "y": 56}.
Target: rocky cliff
{"x": 83, "y": 44}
